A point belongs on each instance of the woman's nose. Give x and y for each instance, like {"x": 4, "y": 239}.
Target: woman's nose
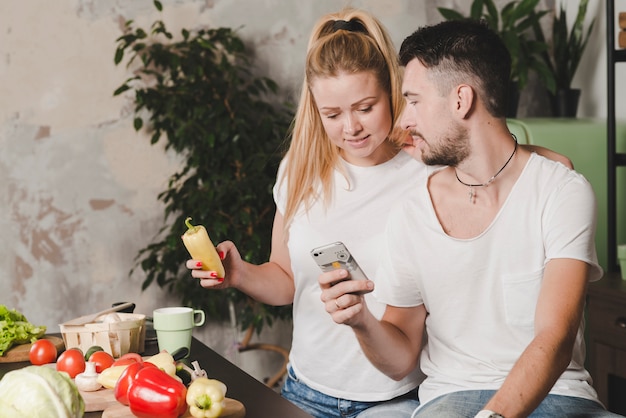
{"x": 351, "y": 125}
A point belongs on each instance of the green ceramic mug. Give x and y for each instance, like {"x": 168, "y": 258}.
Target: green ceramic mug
{"x": 174, "y": 326}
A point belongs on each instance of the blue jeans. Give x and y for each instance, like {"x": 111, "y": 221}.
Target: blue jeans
{"x": 466, "y": 404}
{"x": 320, "y": 405}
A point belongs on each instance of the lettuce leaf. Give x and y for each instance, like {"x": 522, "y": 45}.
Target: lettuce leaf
{"x": 15, "y": 329}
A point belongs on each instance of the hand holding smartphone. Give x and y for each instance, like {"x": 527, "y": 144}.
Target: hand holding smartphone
{"x": 336, "y": 256}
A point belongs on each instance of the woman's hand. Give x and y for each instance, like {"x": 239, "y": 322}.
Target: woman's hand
{"x": 343, "y": 298}
{"x": 231, "y": 260}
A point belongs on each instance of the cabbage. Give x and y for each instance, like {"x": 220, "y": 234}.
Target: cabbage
{"x": 39, "y": 391}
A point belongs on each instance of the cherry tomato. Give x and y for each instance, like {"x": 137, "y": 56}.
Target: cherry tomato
{"x": 72, "y": 362}
{"x": 42, "y": 352}
{"x": 102, "y": 359}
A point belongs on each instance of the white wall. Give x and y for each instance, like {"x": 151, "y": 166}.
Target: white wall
{"x": 80, "y": 186}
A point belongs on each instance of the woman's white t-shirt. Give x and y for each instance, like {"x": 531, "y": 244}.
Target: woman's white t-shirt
{"x": 324, "y": 355}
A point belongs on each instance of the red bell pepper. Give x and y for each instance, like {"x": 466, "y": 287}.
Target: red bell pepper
{"x": 155, "y": 394}
{"x": 124, "y": 381}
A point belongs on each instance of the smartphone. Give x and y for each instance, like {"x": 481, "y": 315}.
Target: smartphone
{"x": 336, "y": 256}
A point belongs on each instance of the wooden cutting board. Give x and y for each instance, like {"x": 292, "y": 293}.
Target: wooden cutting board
{"x": 233, "y": 409}
{"x": 99, "y": 400}
{"x": 20, "y": 352}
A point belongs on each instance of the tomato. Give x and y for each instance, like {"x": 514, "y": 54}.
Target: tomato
{"x": 42, "y": 352}
{"x": 102, "y": 359}
{"x": 72, "y": 362}
{"x": 128, "y": 358}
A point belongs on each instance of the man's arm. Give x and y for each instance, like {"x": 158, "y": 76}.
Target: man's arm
{"x": 557, "y": 318}
{"x": 392, "y": 344}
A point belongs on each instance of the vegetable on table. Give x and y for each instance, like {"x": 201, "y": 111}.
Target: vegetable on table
{"x": 39, "y": 391}
{"x": 102, "y": 360}
{"x": 91, "y": 350}
{"x": 200, "y": 247}
{"x": 108, "y": 378}
{"x": 155, "y": 394}
{"x": 206, "y": 398}
{"x": 42, "y": 352}
{"x": 87, "y": 381}
{"x": 127, "y": 359}
{"x": 164, "y": 361}
{"x": 15, "y": 329}
{"x": 71, "y": 361}
{"x": 124, "y": 381}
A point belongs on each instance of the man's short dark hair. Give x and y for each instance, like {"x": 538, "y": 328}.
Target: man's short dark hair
{"x": 463, "y": 51}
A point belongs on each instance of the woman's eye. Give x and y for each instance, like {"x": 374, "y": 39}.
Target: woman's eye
{"x": 366, "y": 109}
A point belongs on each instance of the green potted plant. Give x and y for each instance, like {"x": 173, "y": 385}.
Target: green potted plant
{"x": 198, "y": 95}
{"x": 513, "y": 23}
{"x": 563, "y": 57}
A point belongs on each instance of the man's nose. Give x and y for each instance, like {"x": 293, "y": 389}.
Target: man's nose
{"x": 406, "y": 122}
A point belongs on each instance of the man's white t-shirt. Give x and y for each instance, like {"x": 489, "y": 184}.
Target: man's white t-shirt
{"x": 481, "y": 293}
{"x": 324, "y": 355}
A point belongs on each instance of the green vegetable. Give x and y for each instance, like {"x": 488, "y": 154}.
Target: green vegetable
{"x": 91, "y": 350}
{"x": 39, "y": 391}
{"x": 15, "y": 329}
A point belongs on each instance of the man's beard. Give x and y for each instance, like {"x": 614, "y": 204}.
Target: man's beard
{"x": 451, "y": 149}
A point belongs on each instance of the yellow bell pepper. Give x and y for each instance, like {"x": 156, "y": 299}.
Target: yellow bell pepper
{"x": 200, "y": 247}
{"x": 164, "y": 361}
{"x": 108, "y": 377}
{"x": 206, "y": 398}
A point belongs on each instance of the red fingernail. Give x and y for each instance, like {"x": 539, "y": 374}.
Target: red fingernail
{"x": 199, "y": 264}
{"x": 213, "y": 275}
{"x": 220, "y": 280}
{"x": 221, "y": 254}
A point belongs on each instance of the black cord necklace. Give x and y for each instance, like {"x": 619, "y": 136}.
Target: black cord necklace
{"x": 472, "y": 194}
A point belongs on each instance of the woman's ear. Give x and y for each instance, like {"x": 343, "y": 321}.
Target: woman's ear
{"x": 465, "y": 100}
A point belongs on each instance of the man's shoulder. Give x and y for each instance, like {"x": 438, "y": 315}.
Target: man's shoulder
{"x": 553, "y": 171}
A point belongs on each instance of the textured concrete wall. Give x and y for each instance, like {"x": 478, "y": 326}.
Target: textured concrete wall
{"x": 79, "y": 186}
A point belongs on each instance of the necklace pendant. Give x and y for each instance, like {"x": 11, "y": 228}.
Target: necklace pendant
{"x": 471, "y": 194}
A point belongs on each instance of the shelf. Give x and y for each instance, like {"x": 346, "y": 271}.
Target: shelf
{"x": 619, "y": 55}
{"x": 614, "y": 159}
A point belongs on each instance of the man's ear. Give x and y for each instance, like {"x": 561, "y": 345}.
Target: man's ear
{"x": 465, "y": 100}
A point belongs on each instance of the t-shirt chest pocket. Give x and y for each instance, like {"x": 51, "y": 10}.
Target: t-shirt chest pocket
{"x": 521, "y": 292}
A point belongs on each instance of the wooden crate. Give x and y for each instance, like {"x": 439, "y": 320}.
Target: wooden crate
{"x": 116, "y": 338}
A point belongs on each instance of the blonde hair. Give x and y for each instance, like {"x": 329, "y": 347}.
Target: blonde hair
{"x": 350, "y": 41}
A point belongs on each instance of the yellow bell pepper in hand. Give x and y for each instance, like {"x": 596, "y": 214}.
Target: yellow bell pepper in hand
{"x": 206, "y": 398}
{"x": 200, "y": 247}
